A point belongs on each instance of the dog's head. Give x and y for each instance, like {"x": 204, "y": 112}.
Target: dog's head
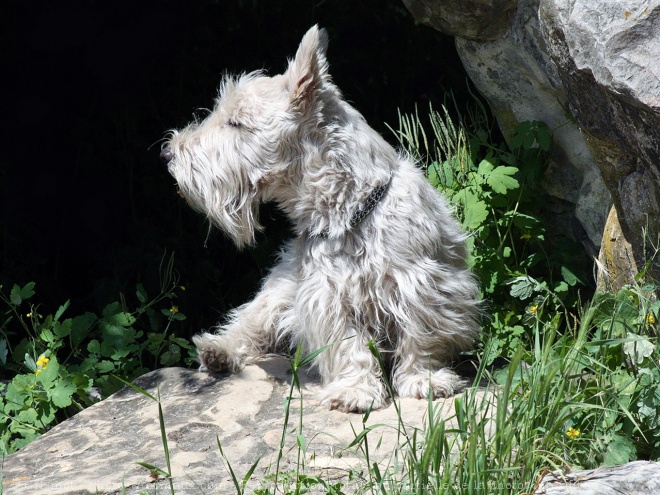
{"x": 247, "y": 149}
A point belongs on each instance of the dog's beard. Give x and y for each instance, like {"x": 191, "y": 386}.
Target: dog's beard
{"x": 236, "y": 214}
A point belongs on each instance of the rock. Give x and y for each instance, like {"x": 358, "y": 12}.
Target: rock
{"x": 606, "y": 55}
{"x": 475, "y": 19}
{"x": 595, "y": 60}
{"x": 521, "y": 83}
{"x": 639, "y": 477}
{"x": 617, "y": 265}
{"x": 96, "y": 450}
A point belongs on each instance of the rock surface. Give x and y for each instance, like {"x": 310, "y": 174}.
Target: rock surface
{"x": 96, "y": 450}
{"x": 521, "y": 83}
{"x": 593, "y": 63}
{"x": 606, "y": 54}
{"x": 639, "y": 477}
{"x": 476, "y": 19}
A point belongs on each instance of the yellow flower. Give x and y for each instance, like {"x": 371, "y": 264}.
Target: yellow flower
{"x": 174, "y": 309}
{"x": 572, "y": 433}
{"x": 526, "y": 237}
{"x": 533, "y": 308}
{"x": 41, "y": 364}
{"x": 650, "y": 319}
{"x": 182, "y": 287}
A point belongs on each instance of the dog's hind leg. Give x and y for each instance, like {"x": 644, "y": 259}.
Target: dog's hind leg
{"x": 434, "y": 320}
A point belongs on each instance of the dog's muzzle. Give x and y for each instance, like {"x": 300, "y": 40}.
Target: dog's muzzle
{"x": 166, "y": 156}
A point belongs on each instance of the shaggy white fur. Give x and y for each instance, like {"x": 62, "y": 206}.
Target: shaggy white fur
{"x": 387, "y": 266}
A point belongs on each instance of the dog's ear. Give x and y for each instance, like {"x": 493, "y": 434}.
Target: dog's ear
{"x": 309, "y": 69}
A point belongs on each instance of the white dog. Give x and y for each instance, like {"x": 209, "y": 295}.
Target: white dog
{"x": 376, "y": 257}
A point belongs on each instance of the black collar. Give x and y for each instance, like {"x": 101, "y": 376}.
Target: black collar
{"x": 369, "y": 205}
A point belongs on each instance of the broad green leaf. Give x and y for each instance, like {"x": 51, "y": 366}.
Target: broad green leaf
{"x": 61, "y": 310}
{"x": 485, "y": 167}
{"x": 619, "y": 451}
{"x": 16, "y": 396}
{"x": 441, "y": 175}
{"x": 570, "y": 278}
{"x": 27, "y": 437}
{"x": 29, "y": 362}
{"x": 638, "y": 348}
{"x": 500, "y": 179}
{"x": 47, "y": 413}
{"x": 522, "y": 287}
{"x": 61, "y": 394}
{"x": 432, "y": 175}
{"x": 520, "y": 133}
{"x": 524, "y": 222}
{"x": 94, "y": 347}
{"x": 46, "y": 335}
{"x": 49, "y": 373}
{"x": 475, "y": 211}
{"x": 62, "y": 329}
{"x": 105, "y": 366}
{"x": 20, "y": 294}
{"x": 111, "y": 309}
{"x": 27, "y": 416}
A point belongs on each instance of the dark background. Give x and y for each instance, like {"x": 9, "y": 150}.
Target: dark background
{"x": 90, "y": 88}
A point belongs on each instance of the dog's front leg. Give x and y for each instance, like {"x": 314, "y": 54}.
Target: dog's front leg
{"x": 253, "y": 329}
{"x": 350, "y": 373}
{"x": 352, "y": 376}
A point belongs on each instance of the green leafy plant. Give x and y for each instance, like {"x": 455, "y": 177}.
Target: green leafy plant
{"x": 624, "y": 356}
{"x": 62, "y": 365}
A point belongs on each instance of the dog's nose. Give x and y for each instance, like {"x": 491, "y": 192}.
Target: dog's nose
{"x": 166, "y": 155}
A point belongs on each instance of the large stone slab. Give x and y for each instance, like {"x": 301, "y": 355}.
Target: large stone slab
{"x": 589, "y": 69}
{"x": 606, "y": 55}
{"x": 519, "y": 79}
{"x": 96, "y": 451}
{"x": 634, "y": 478}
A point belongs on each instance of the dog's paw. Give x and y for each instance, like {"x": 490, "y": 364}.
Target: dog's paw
{"x": 356, "y": 399}
{"x": 214, "y": 354}
{"x": 212, "y": 360}
{"x": 443, "y": 383}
